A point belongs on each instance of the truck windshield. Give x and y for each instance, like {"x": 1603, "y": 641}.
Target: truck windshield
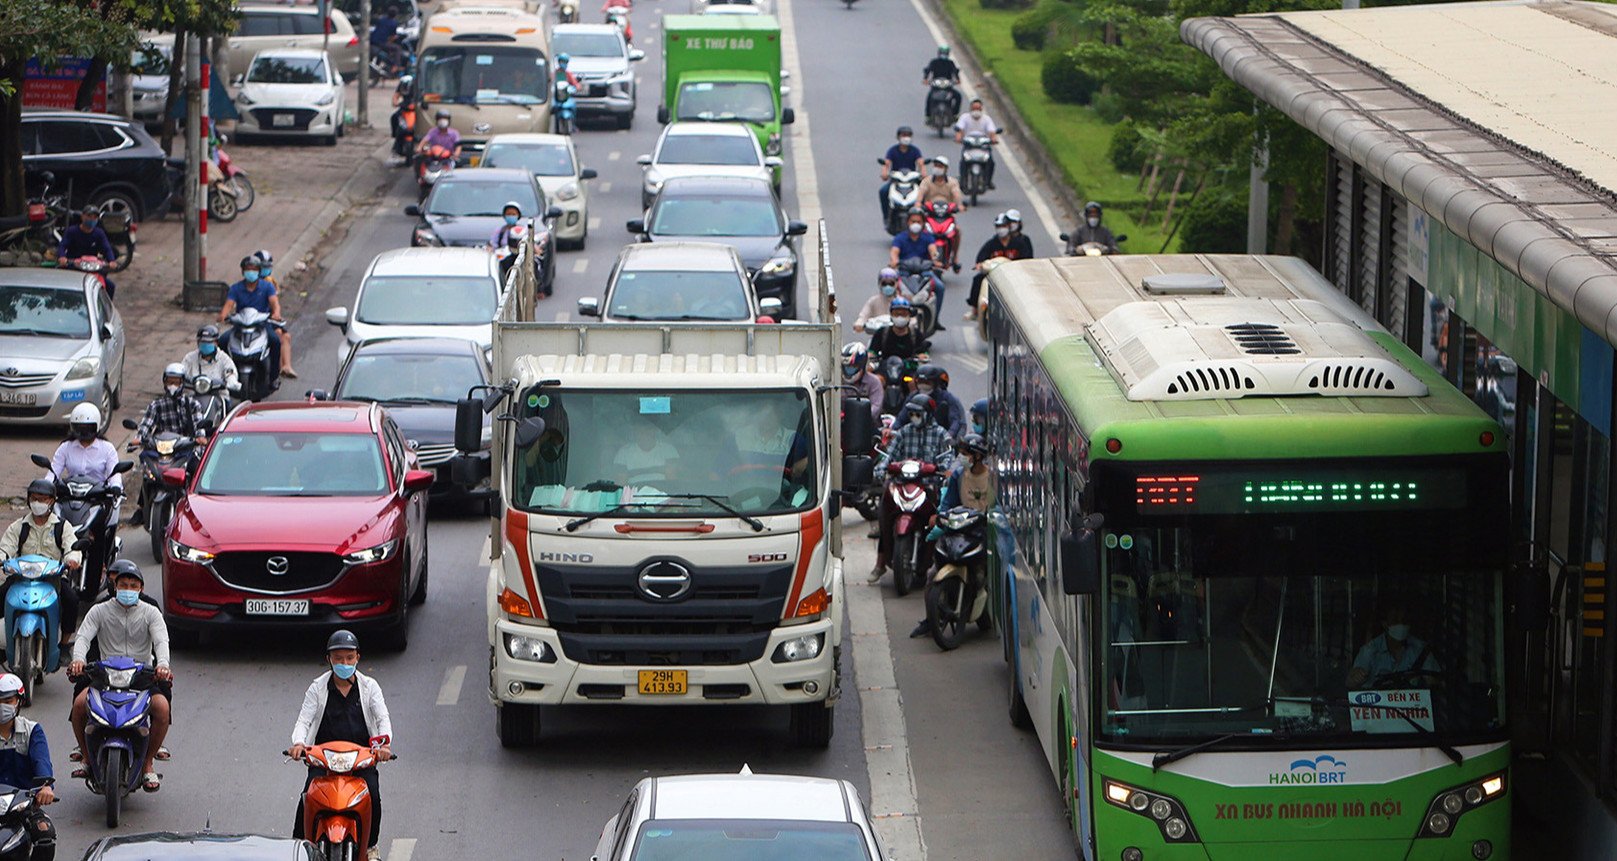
{"x": 751, "y": 101}
{"x": 653, "y": 453}
{"x": 484, "y": 75}
{"x": 1298, "y": 627}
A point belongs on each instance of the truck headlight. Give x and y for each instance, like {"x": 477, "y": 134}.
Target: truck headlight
{"x": 426, "y": 236}
{"x": 371, "y": 554}
{"x": 804, "y": 648}
{"x": 568, "y": 192}
{"x": 782, "y": 265}
{"x": 529, "y": 649}
{"x": 188, "y": 554}
{"x": 773, "y": 147}
{"x": 84, "y": 369}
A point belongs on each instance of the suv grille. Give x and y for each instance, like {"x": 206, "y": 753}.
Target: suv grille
{"x": 304, "y": 571}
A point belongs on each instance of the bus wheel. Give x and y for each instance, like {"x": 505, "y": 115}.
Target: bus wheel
{"x": 1019, "y": 714}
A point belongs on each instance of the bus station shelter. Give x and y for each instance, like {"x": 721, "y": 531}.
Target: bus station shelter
{"x": 1471, "y": 208}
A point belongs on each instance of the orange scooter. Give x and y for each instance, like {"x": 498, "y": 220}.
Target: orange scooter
{"x": 337, "y": 807}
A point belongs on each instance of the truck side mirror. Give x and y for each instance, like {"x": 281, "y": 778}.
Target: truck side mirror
{"x": 1080, "y": 561}
{"x": 469, "y": 425}
{"x": 1530, "y": 594}
{"x": 858, "y": 471}
{"x": 470, "y": 470}
{"x": 787, "y": 116}
{"x": 858, "y": 428}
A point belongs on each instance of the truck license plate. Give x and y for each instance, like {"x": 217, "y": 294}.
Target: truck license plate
{"x": 282, "y": 120}
{"x": 26, "y": 399}
{"x": 661, "y": 682}
{"x": 277, "y": 607}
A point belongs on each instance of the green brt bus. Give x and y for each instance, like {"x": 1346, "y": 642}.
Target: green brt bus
{"x": 1249, "y": 562}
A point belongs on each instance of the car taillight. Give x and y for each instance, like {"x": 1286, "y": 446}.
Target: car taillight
{"x": 353, "y": 41}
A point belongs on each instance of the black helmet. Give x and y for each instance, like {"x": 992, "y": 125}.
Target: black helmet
{"x": 124, "y": 568}
{"x": 251, "y": 262}
{"x": 973, "y": 443}
{"x": 905, "y": 130}
{"x": 42, "y": 487}
{"x": 442, "y": 114}
{"x": 932, "y": 374}
{"x": 342, "y": 639}
{"x": 207, "y": 332}
{"x": 1092, "y": 206}
{"x": 919, "y": 403}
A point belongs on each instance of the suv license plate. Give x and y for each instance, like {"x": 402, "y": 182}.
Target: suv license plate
{"x": 277, "y": 607}
{"x": 26, "y": 399}
{"x": 282, "y": 120}
{"x": 663, "y": 682}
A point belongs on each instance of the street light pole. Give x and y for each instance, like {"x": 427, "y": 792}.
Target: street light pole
{"x": 364, "y": 63}
{"x": 193, "y": 158}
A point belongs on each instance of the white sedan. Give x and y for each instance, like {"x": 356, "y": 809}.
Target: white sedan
{"x": 291, "y": 91}
{"x": 554, "y": 163}
{"x": 705, "y": 149}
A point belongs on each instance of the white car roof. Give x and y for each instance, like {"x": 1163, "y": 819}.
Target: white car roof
{"x": 583, "y": 28}
{"x": 708, "y": 129}
{"x": 530, "y": 138}
{"x": 751, "y": 796}
{"x": 678, "y": 257}
{"x": 310, "y": 53}
{"x": 435, "y": 261}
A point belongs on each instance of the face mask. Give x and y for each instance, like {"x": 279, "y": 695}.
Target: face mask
{"x": 849, "y": 372}
{"x": 901, "y": 322}
{"x": 173, "y": 391}
{"x": 924, "y": 388}
{"x": 978, "y": 427}
{"x": 916, "y": 419}
{"x": 90, "y": 224}
{"x": 443, "y": 124}
{"x": 888, "y": 289}
{"x": 915, "y": 229}
{"x": 250, "y": 276}
{"x": 266, "y": 271}
{"x": 1002, "y": 232}
{"x": 905, "y": 140}
{"x": 1094, "y": 222}
{"x": 940, "y": 171}
{"x": 977, "y": 114}
{"x": 1398, "y": 633}
{"x": 40, "y": 509}
{"x": 128, "y": 597}
{"x": 8, "y": 712}
{"x": 344, "y": 671}
{"x": 511, "y": 219}
{"x": 208, "y": 349}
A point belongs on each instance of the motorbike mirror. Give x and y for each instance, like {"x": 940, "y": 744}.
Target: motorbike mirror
{"x": 417, "y": 480}
{"x": 636, "y": 55}
{"x": 174, "y": 476}
{"x": 130, "y": 424}
{"x": 636, "y": 225}
{"x": 123, "y": 466}
{"x": 787, "y": 115}
{"x": 337, "y": 317}
{"x": 770, "y": 307}
{"x": 413, "y": 209}
{"x": 1064, "y": 237}
{"x": 48, "y": 176}
{"x": 42, "y": 461}
{"x": 589, "y": 306}
{"x": 82, "y": 544}
{"x": 1121, "y": 237}
{"x": 588, "y": 173}
{"x": 1080, "y": 560}
{"x": 796, "y": 228}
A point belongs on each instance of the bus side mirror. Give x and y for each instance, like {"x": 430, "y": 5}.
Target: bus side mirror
{"x": 469, "y": 425}
{"x": 1530, "y": 594}
{"x": 1080, "y": 561}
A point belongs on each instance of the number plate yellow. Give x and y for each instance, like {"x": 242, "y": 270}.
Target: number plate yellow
{"x": 661, "y": 682}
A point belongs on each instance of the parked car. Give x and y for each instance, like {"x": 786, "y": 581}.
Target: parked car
{"x": 422, "y": 293}
{"x": 291, "y": 91}
{"x": 61, "y": 344}
{"x": 267, "y": 26}
{"x": 96, "y": 159}
{"x": 464, "y": 209}
{"x": 604, "y": 65}
{"x": 299, "y": 515}
{"x": 738, "y": 816}
{"x": 740, "y": 212}
{"x": 148, "y": 79}
{"x": 553, "y": 161}
{"x": 418, "y": 380}
{"x": 705, "y": 149}
{"x": 667, "y": 281}
{"x": 201, "y": 846}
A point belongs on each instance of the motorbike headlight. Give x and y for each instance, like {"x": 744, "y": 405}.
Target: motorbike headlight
{"x": 773, "y": 147}
{"x": 185, "y": 553}
{"x": 426, "y": 236}
{"x": 32, "y": 571}
{"x": 805, "y": 648}
{"x": 326, "y": 99}
{"x": 568, "y": 192}
{"x": 85, "y": 369}
{"x": 782, "y": 265}
{"x": 165, "y": 447}
{"x": 341, "y": 762}
{"x": 528, "y": 649}
{"x": 910, "y": 469}
{"x": 120, "y": 678}
{"x": 371, "y": 554}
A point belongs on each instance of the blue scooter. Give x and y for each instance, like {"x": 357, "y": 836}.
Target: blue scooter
{"x": 565, "y": 108}
{"x": 120, "y": 720}
{"x": 33, "y": 618}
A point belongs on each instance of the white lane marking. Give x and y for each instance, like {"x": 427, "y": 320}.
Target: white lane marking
{"x": 967, "y": 360}
{"x": 580, "y": 265}
{"x": 614, "y": 155}
{"x": 563, "y": 316}
{"x": 595, "y": 222}
{"x": 449, "y": 691}
{"x": 605, "y": 187}
{"x": 1006, "y": 155}
{"x": 401, "y": 849}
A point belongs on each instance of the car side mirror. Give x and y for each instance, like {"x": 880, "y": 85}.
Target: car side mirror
{"x": 636, "y": 55}
{"x": 1080, "y": 559}
{"x": 413, "y": 209}
{"x": 644, "y": 160}
{"x": 588, "y": 173}
{"x": 785, "y": 91}
{"x": 787, "y": 116}
{"x": 469, "y": 425}
{"x": 770, "y": 307}
{"x": 636, "y": 225}
{"x": 174, "y": 476}
{"x": 238, "y": 80}
{"x": 129, "y": 424}
{"x": 418, "y": 480}
{"x": 796, "y": 228}
{"x": 337, "y": 317}
{"x": 106, "y": 332}
{"x": 589, "y": 306}
{"x": 553, "y": 213}
{"x": 662, "y": 114}
{"x": 318, "y": 395}
{"x": 773, "y": 161}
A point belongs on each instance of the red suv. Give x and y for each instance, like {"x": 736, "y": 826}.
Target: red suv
{"x": 299, "y": 514}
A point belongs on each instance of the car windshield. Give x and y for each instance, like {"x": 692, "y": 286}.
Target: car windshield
{"x": 43, "y": 311}
{"x": 587, "y": 44}
{"x": 293, "y": 464}
{"x": 751, "y": 101}
{"x": 399, "y": 378}
{"x": 537, "y": 159}
{"x": 748, "y": 840}
{"x": 750, "y": 450}
{"x": 657, "y": 295}
{"x": 709, "y": 149}
{"x": 287, "y": 70}
{"x": 479, "y": 199}
{"x": 149, "y": 59}
{"x": 484, "y": 75}
{"x": 427, "y": 300}
{"x": 714, "y": 215}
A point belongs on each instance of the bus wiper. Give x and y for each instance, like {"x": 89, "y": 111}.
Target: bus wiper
{"x": 756, "y": 524}
{"x": 1448, "y": 750}
{"x": 1168, "y": 757}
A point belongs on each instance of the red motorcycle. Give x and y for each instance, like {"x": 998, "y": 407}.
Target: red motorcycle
{"x": 95, "y": 266}
{"x": 940, "y": 222}
{"x": 911, "y": 493}
{"x": 433, "y": 164}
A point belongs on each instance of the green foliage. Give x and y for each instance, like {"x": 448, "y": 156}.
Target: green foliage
{"x": 61, "y": 28}
{"x": 1006, "y": 4}
{"x": 1215, "y": 224}
{"x": 1065, "y": 79}
{"x": 1128, "y": 149}
{"x": 1108, "y": 106}
{"x": 1032, "y": 28}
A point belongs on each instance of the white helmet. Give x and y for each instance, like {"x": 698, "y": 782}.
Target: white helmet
{"x": 85, "y": 414}
{"x": 10, "y": 684}
{"x": 174, "y": 369}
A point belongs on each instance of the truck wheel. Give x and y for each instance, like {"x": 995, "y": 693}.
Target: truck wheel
{"x": 519, "y": 724}
{"x": 812, "y": 724}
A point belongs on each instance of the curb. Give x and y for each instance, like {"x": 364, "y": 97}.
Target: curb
{"x": 302, "y": 249}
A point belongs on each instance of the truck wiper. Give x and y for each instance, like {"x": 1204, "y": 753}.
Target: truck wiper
{"x": 756, "y": 524}
{"x": 572, "y": 525}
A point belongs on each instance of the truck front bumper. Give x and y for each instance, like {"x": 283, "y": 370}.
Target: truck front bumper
{"x": 562, "y": 681}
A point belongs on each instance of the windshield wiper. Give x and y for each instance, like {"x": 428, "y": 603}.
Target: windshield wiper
{"x": 1448, "y": 750}
{"x": 416, "y": 400}
{"x": 1168, "y": 757}
{"x": 756, "y": 524}
{"x": 572, "y": 525}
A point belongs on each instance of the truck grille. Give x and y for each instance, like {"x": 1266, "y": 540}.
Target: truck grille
{"x": 251, "y": 571}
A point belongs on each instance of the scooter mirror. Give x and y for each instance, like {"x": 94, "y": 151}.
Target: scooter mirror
{"x": 123, "y": 466}
{"x": 1064, "y": 237}
{"x": 130, "y": 424}
{"x": 40, "y": 460}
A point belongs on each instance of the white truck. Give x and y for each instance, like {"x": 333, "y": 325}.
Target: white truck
{"x": 666, "y": 522}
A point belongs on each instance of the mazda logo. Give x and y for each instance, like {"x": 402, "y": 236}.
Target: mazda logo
{"x": 664, "y": 581}
{"x": 277, "y": 566}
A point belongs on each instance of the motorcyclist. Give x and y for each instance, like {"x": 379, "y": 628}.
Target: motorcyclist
{"x": 943, "y": 67}
{"x": 939, "y": 185}
{"x": 402, "y": 98}
{"x": 886, "y": 289}
{"x": 1009, "y": 242}
{"x": 916, "y": 242}
{"x": 266, "y": 272}
{"x": 87, "y": 240}
{"x": 951, "y": 414}
{"x": 41, "y": 532}
{"x": 252, "y": 291}
{"x": 903, "y": 155}
{"x": 972, "y": 484}
{"x": 1091, "y": 230}
{"x": 385, "y": 38}
{"x": 899, "y": 339}
{"x": 562, "y": 62}
{"x": 207, "y": 360}
{"x": 343, "y": 704}
{"x": 856, "y": 373}
{"x": 86, "y": 453}
{"x": 512, "y": 213}
{"x": 975, "y": 121}
{"x": 25, "y": 761}
{"x": 979, "y": 417}
{"x": 126, "y": 627}
{"x": 918, "y": 438}
{"x": 441, "y": 134}
{"x": 174, "y": 410}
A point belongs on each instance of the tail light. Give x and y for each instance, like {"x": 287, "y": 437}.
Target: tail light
{"x": 36, "y": 212}
{"x": 353, "y": 41}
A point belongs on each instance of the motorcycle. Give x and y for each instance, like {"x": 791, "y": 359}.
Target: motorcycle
{"x": 898, "y": 380}
{"x": 404, "y": 120}
{"x": 95, "y": 266}
{"x": 157, "y": 497}
{"x": 940, "y": 222}
{"x": 38, "y": 231}
{"x": 250, "y": 332}
{"x": 940, "y": 101}
{"x": 618, "y": 14}
{"x": 227, "y": 181}
{"x": 33, "y": 618}
{"x": 567, "y": 12}
{"x": 431, "y": 166}
{"x": 565, "y": 108}
{"x": 903, "y": 188}
{"x": 215, "y": 399}
{"x": 958, "y": 593}
{"x": 915, "y": 279}
{"x": 1095, "y": 249}
{"x": 976, "y": 160}
{"x": 911, "y": 494}
{"x": 17, "y": 807}
{"x": 116, "y": 735}
{"x": 91, "y": 506}
{"x": 337, "y": 805}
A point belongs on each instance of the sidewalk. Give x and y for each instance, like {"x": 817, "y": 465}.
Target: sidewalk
{"x": 302, "y": 190}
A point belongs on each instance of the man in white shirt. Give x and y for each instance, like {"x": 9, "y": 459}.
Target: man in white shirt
{"x": 207, "y": 360}
{"x": 976, "y": 121}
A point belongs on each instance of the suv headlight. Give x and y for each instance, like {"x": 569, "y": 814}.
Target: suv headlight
{"x": 781, "y": 265}
{"x": 371, "y": 554}
{"x": 84, "y": 369}
{"x": 426, "y": 236}
{"x": 186, "y": 553}
{"x": 568, "y": 192}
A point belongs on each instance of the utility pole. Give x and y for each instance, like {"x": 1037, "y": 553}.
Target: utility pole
{"x": 194, "y": 198}
{"x": 204, "y": 127}
{"x": 364, "y": 63}
{"x": 1257, "y": 200}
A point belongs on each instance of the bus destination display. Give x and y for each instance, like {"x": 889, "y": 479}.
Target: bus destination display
{"x": 1258, "y": 490}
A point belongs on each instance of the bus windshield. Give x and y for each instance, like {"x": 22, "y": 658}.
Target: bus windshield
{"x": 483, "y": 75}
{"x": 1279, "y": 627}
{"x": 677, "y": 453}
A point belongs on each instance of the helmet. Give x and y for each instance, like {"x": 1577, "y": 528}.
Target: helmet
{"x": 251, "y": 261}
{"x": 42, "y": 487}
{"x": 1013, "y": 215}
{"x": 941, "y": 159}
{"x": 442, "y": 114}
{"x": 888, "y": 275}
{"x": 342, "y": 639}
{"x": 932, "y": 374}
{"x": 264, "y": 256}
{"x": 979, "y": 407}
{"x": 943, "y": 50}
{"x": 919, "y": 403}
{"x": 563, "y": 59}
{"x": 10, "y": 685}
{"x": 1092, "y": 205}
{"x": 853, "y": 359}
{"x": 973, "y": 443}
{"x": 511, "y": 204}
{"x": 1001, "y": 220}
{"x": 124, "y": 568}
{"x": 900, "y": 303}
{"x": 905, "y": 130}
{"x": 174, "y": 369}
{"x": 208, "y": 332}
{"x": 85, "y": 414}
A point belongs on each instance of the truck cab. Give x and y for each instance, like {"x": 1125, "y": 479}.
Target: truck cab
{"x": 725, "y": 68}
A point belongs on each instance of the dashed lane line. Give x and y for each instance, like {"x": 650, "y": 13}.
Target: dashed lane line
{"x": 401, "y": 849}
{"x": 580, "y": 265}
{"x": 449, "y": 691}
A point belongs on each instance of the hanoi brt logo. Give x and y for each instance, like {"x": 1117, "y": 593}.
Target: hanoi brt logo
{"x": 1322, "y": 769}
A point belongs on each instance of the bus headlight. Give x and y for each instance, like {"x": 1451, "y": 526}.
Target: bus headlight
{"x": 1443, "y": 814}
{"x": 1164, "y": 810}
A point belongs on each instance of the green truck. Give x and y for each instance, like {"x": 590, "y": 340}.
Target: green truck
{"x": 724, "y": 68}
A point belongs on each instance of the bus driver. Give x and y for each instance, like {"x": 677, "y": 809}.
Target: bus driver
{"x": 1393, "y": 656}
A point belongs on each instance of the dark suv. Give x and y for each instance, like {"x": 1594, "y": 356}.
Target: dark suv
{"x": 96, "y": 159}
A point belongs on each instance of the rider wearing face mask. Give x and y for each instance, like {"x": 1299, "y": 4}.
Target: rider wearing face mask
{"x": 441, "y": 134}
{"x": 979, "y": 417}
{"x": 903, "y": 155}
{"x": 25, "y": 762}
{"x": 1009, "y": 242}
{"x": 976, "y": 121}
{"x": 85, "y": 452}
{"x": 259, "y": 293}
{"x": 41, "y": 533}
{"x": 939, "y": 185}
{"x": 886, "y": 289}
{"x": 174, "y": 410}
{"x": 916, "y": 242}
{"x": 511, "y": 216}
{"x": 902, "y": 337}
{"x": 918, "y": 438}
{"x": 344, "y": 704}
{"x": 1091, "y": 230}
{"x": 933, "y": 381}
{"x": 1393, "y": 658}
{"x": 207, "y": 360}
